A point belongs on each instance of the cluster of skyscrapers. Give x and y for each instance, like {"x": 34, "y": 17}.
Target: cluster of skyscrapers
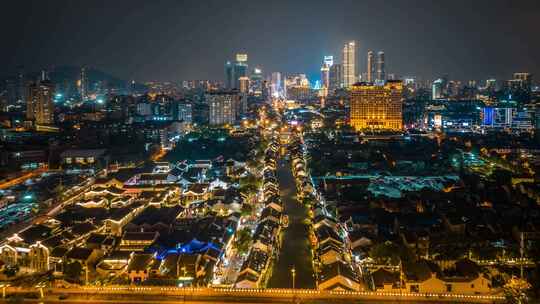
{"x": 238, "y": 76}
{"x": 236, "y": 73}
{"x": 375, "y": 103}
{"x": 344, "y": 75}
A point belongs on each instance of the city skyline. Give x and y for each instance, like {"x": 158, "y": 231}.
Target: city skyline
{"x": 168, "y": 49}
{"x": 267, "y": 152}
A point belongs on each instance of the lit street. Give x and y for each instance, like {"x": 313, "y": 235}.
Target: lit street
{"x": 216, "y": 295}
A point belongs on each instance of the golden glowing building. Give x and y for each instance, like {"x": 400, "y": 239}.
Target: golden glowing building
{"x": 376, "y": 107}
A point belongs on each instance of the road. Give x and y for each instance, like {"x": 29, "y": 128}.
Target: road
{"x": 295, "y": 250}
{"x": 212, "y": 295}
{"x": 22, "y": 178}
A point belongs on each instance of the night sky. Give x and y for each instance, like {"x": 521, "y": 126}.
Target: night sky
{"x": 176, "y": 40}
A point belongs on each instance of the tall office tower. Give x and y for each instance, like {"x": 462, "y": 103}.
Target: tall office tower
{"x": 381, "y": 69}
{"x": 276, "y": 88}
{"x": 243, "y": 84}
{"x": 370, "y": 75}
{"x": 377, "y": 107}
{"x": 256, "y": 82}
{"x": 349, "y": 64}
{"x": 335, "y": 76}
{"x": 437, "y": 89}
{"x": 229, "y": 75}
{"x": 83, "y": 85}
{"x": 223, "y": 107}
{"x": 240, "y": 69}
{"x": 39, "y": 104}
{"x": 325, "y": 76}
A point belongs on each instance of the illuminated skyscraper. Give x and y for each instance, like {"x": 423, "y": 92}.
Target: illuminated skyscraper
{"x": 349, "y": 64}
{"x": 370, "y": 67}
{"x": 276, "y": 87}
{"x": 229, "y": 75}
{"x": 335, "y": 77}
{"x": 234, "y": 71}
{"x": 376, "y": 107}
{"x": 40, "y": 104}
{"x": 381, "y": 69}
{"x": 325, "y": 75}
{"x": 240, "y": 69}
{"x": 256, "y": 82}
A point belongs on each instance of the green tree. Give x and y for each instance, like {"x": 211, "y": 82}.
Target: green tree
{"x": 11, "y": 271}
{"x": 243, "y": 240}
{"x": 385, "y": 253}
{"x": 246, "y": 210}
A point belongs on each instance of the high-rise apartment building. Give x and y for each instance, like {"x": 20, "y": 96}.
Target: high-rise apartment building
{"x": 381, "y": 69}
{"x": 349, "y": 64}
{"x": 491, "y": 85}
{"x": 83, "y": 84}
{"x": 243, "y": 84}
{"x": 224, "y": 107}
{"x": 185, "y": 112}
{"x": 524, "y": 80}
{"x": 377, "y": 106}
{"x": 40, "y": 104}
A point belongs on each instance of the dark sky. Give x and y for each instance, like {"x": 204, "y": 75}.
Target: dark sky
{"x": 176, "y": 40}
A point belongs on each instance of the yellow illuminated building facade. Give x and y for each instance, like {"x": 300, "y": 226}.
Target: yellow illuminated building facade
{"x": 376, "y": 107}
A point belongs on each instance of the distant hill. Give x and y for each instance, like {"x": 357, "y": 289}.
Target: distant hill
{"x": 73, "y": 74}
{"x": 69, "y": 75}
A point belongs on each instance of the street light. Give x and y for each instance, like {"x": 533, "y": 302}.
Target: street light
{"x": 40, "y": 286}
{"x": 4, "y": 286}
{"x": 293, "y": 272}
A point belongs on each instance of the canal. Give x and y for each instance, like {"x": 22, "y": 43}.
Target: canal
{"x": 295, "y": 248}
